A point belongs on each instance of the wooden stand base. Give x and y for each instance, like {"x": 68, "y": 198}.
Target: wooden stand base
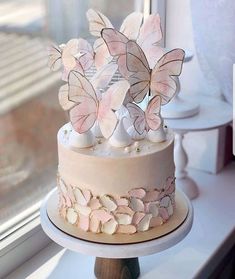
{"x": 117, "y": 268}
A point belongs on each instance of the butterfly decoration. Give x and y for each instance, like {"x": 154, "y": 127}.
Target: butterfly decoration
{"x": 133, "y": 64}
{"x": 146, "y": 120}
{"x": 77, "y": 55}
{"x": 97, "y": 21}
{"x": 86, "y": 105}
{"x": 100, "y": 80}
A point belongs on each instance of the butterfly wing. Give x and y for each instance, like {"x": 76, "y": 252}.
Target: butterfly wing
{"x": 137, "y": 64}
{"x": 54, "y": 58}
{"x": 102, "y": 55}
{"x": 111, "y": 101}
{"x": 81, "y": 91}
{"x": 97, "y": 21}
{"x": 138, "y": 117}
{"x": 162, "y": 82}
{"x": 102, "y": 77}
{"x": 86, "y": 57}
{"x": 152, "y": 113}
{"x": 68, "y": 54}
{"x": 149, "y": 37}
{"x": 131, "y": 25}
{"x": 64, "y": 101}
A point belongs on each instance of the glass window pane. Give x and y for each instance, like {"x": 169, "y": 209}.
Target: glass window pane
{"x": 30, "y": 115}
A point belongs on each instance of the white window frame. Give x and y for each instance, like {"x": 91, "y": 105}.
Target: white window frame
{"x": 22, "y": 237}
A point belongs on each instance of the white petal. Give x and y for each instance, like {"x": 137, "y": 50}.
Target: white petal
{"x": 110, "y": 227}
{"x": 72, "y": 216}
{"x": 123, "y": 219}
{"x": 79, "y": 197}
{"x": 144, "y": 223}
{"x": 137, "y": 204}
{"x": 82, "y": 209}
{"x": 108, "y": 203}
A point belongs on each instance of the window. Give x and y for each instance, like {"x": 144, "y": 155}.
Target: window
{"x": 30, "y": 115}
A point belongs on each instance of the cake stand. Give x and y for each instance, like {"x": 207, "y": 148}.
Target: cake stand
{"x": 116, "y": 261}
{"x": 213, "y": 114}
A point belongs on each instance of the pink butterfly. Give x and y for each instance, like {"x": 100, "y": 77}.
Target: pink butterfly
{"x": 77, "y": 55}
{"x": 159, "y": 80}
{"x": 148, "y": 120}
{"x": 97, "y": 21}
{"x": 148, "y": 39}
{"x": 90, "y": 107}
{"x": 101, "y": 79}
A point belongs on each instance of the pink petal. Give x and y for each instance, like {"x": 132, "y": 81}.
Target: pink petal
{"x": 101, "y": 215}
{"x": 94, "y": 204}
{"x": 155, "y": 221}
{"x": 94, "y": 225}
{"x": 138, "y": 216}
{"x": 126, "y": 229}
{"x": 151, "y": 196}
{"x": 84, "y": 222}
{"x": 163, "y": 213}
{"x": 87, "y": 194}
{"x": 137, "y": 193}
{"x": 122, "y": 201}
{"x": 124, "y": 209}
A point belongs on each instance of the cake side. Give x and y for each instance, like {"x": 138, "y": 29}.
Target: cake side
{"x": 103, "y": 169}
{"x": 123, "y": 192}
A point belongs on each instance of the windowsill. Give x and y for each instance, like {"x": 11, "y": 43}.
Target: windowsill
{"x": 196, "y": 256}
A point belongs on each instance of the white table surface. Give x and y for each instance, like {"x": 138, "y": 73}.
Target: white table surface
{"x": 211, "y": 237}
{"x": 213, "y": 114}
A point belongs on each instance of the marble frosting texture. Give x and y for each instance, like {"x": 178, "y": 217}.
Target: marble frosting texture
{"x": 116, "y": 190}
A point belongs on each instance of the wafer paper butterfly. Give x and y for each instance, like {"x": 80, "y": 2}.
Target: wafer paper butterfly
{"x": 97, "y": 21}
{"x": 141, "y": 77}
{"x": 77, "y": 55}
{"x": 146, "y": 120}
{"x": 90, "y": 106}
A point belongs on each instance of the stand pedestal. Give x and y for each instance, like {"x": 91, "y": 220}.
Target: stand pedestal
{"x": 117, "y": 261}
{"x": 117, "y": 268}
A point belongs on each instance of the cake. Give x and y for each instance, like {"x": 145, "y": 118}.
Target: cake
{"x": 116, "y": 166}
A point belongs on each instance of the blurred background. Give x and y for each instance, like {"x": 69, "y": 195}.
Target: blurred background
{"x": 30, "y": 115}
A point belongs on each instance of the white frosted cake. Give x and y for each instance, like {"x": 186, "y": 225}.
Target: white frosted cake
{"x": 116, "y": 166}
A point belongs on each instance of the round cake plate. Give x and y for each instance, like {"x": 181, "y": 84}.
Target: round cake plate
{"x": 118, "y": 260}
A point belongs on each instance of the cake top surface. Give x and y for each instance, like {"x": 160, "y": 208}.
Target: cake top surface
{"x": 102, "y": 148}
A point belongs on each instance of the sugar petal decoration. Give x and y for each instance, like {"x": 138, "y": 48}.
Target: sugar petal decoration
{"x": 120, "y": 137}
{"x": 83, "y": 140}
{"x": 163, "y": 213}
{"x": 126, "y": 229}
{"x": 124, "y": 209}
{"x": 89, "y": 108}
{"x": 159, "y": 81}
{"x": 94, "y": 203}
{"x": 108, "y": 202}
{"x": 72, "y": 216}
{"x": 137, "y": 193}
{"x": 84, "y": 222}
{"x": 155, "y": 221}
{"x": 170, "y": 209}
{"x": 123, "y": 219}
{"x": 144, "y": 223}
{"x": 151, "y": 196}
{"x": 134, "y": 134}
{"x": 122, "y": 201}
{"x": 136, "y": 204}
{"x": 81, "y": 209}
{"x": 63, "y": 212}
{"x": 138, "y": 216}
{"x": 153, "y": 209}
{"x": 158, "y": 135}
{"x": 165, "y": 201}
{"x": 109, "y": 227}
{"x": 79, "y": 197}
{"x": 95, "y": 225}
{"x": 148, "y": 120}
{"x": 102, "y": 215}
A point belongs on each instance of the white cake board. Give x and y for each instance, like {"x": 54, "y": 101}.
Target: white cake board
{"x": 110, "y": 250}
